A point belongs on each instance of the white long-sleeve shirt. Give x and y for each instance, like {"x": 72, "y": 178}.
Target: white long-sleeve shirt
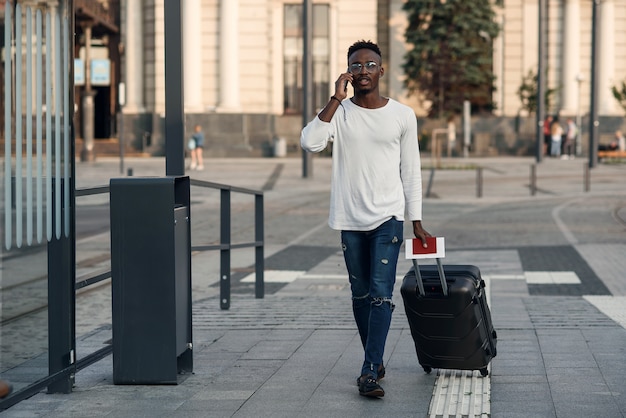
{"x": 376, "y": 171}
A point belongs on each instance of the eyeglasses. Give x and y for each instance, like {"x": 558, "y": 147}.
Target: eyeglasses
{"x": 370, "y": 67}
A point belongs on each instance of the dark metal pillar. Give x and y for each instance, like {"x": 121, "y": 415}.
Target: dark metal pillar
{"x": 258, "y": 252}
{"x": 62, "y": 298}
{"x": 541, "y": 80}
{"x": 62, "y": 245}
{"x": 594, "y": 123}
{"x": 307, "y": 80}
{"x": 174, "y": 94}
{"x": 225, "y": 250}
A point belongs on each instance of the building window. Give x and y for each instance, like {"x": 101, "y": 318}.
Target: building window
{"x": 292, "y": 57}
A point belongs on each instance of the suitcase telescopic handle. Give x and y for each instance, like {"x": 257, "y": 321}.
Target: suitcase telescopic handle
{"x": 420, "y": 283}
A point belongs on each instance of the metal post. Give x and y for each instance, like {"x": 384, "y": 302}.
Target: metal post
{"x": 225, "y": 249}
{"x": 533, "y": 179}
{"x": 430, "y": 181}
{"x": 62, "y": 299}
{"x": 579, "y": 123}
{"x": 122, "y": 102}
{"x": 121, "y": 141}
{"x": 479, "y": 182}
{"x": 467, "y": 127}
{"x": 62, "y": 252}
{"x": 307, "y": 80}
{"x": 587, "y": 177}
{"x": 593, "y": 114}
{"x": 259, "y": 249}
{"x": 541, "y": 80}
{"x": 174, "y": 90}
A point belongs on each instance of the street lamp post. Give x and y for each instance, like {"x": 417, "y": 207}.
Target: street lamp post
{"x": 579, "y": 80}
{"x": 541, "y": 79}
{"x": 307, "y": 80}
{"x": 594, "y": 123}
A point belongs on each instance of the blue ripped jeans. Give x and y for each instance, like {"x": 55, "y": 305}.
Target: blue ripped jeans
{"x": 371, "y": 259}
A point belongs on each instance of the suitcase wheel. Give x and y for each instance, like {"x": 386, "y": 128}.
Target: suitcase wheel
{"x": 428, "y": 369}
{"x": 484, "y": 372}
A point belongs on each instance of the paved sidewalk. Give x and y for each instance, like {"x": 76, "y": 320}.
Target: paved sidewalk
{"x": 553, "y": 261}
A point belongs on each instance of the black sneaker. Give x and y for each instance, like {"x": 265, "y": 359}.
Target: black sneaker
{"x": 368, "y": 386}
{"x": 381, "y": 374}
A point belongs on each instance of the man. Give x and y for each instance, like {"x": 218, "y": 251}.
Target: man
{"x": 376, "y": 177}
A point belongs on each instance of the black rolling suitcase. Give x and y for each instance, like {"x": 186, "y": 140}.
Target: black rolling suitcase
{"x": 449, "y": 318}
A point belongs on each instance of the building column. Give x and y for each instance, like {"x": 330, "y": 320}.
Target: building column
{"x": 133, "y": 57}
{"x": 192, "y": 41}
{"x": 606, "y": 59}
{"x": 229, "y": 56}
{"x": 571, "y": 57}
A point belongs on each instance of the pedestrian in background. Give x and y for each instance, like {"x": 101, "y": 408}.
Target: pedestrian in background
{"x": 547, "y": 135}
{"x": 570, "y": 140}
{"x": 196, "y": 143}
{"x": 376, "y": 178}
{"x": 620, "y": 141}
{"x": 556, "y": 131}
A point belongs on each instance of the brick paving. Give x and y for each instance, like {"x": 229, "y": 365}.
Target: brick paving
{"x": 561, "y": 347}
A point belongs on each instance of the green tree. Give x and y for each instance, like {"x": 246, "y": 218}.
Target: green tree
{"x": 620, "y": 95}
{"x": 527, "y": 93}
{"x": 450, "y": 59}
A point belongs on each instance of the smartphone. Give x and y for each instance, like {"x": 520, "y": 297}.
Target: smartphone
{"x": 345, "y": 85}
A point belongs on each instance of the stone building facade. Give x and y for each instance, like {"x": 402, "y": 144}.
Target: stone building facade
{"x": 243, "y": 79}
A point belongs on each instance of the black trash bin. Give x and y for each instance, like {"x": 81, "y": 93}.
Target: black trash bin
{"x": 151, "y": 279}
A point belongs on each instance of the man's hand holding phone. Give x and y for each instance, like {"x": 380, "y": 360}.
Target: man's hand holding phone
{"x": 341, "y": 92}
{"x": 341, "y": 85}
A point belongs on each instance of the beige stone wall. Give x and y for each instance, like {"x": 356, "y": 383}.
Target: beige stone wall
{"x": 254, "y": 53}
{"x": 260, "y": 50}
{"x": 516, "y": 52}
{"x": 210, "y": 53}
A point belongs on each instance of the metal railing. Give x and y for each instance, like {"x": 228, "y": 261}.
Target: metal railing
{"x": 225, "y": 246}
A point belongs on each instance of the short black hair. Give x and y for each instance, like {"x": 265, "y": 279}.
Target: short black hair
{"x": 362, "y": 44}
